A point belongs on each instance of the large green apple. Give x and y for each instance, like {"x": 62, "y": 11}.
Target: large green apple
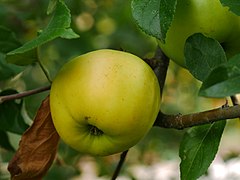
{"x": 201, "y": 16}
{"x": 104, "y": 102}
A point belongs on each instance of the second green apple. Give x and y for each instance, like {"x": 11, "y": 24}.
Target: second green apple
{"x": 209, "y": 17}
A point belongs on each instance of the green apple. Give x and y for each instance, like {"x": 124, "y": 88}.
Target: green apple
{"x": 104, "y": 102}
{"x": 201, "y": 16}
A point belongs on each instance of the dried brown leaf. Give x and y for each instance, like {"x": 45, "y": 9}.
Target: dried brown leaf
{"x": 37, "y": 148}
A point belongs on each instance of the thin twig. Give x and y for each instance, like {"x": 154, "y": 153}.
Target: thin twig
{"x": 184, "y": 121}
{"x": 120, "y": 164}
{"x": 45, "y": 71}
{"x": 23, "y": 94}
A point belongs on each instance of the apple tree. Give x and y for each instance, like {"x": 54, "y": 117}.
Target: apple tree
{"x": 200, "y": 39}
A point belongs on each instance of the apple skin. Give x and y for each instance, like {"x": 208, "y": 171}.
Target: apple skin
{"x": 104, "y": 102}
{"x": 201, "y": 16}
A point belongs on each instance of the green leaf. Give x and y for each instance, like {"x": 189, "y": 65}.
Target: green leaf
{"x": 202, "y": 55}
{"x": 69, "y": 34}
{"x": 22, "y": 59}
{"x": 8, "y": 70}
{"x": 51, "y": 6}
{"x": 4, "y": 141}
{"x": 154, "y": 17}
{"x": 198, "y": 149}
{"x": 234, "y": 5}
{"x": 10, "y": 115}
{"x": 166, "y": 15}
{"x": 224, "y": 80}
{"x": 58, "y": 27}
{"x": 8, "y": 40}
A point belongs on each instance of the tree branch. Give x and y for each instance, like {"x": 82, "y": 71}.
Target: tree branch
{"x": 184, "y": 121}
{"x": 159, "y": 63}
{"x": 23, "y": 94}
